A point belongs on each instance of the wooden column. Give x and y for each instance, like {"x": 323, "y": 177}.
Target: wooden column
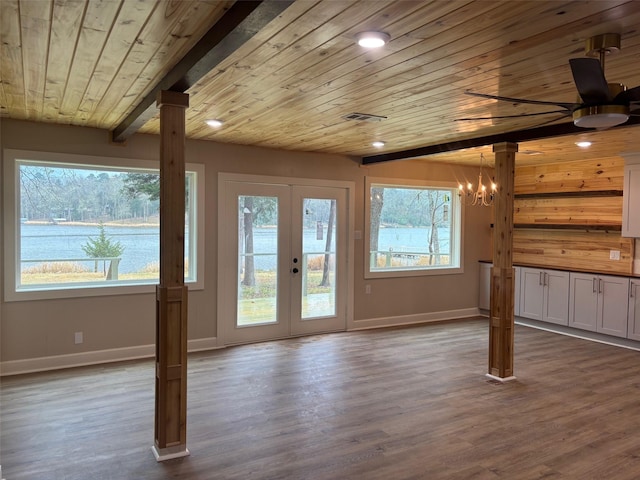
{"x": 171, "y": 293}
{"x": 502, "y": 274}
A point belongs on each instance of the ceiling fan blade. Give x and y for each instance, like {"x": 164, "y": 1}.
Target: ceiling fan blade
{"x": 564, "y": 112}
{"x": 567, "y": 106}
{"x": 628, "y": 96}
{"x": 548, "y": 121}
{"x": 589, "y": 79}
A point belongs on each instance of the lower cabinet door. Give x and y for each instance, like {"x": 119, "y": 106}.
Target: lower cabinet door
{"x": 583, "y": 301}
{"x": 613, "y": 305}
{"x": 531, "y": 293}
{"x": 633, "y": 328}
{"x": 556, "y": 297}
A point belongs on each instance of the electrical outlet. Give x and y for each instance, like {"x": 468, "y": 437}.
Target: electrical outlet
{"x": 367, "y": 289}
{"x": 614, "y": 254}
{"x": 78, "y": 338}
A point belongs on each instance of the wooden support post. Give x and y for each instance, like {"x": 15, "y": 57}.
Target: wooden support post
{"x": 502, "y": 274}
{"x": 171, "y": 294}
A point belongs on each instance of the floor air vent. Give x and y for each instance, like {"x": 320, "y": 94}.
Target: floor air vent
{"x": 364, "y": 117}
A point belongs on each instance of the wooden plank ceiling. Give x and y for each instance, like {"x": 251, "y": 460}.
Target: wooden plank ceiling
{"x": 90, "y": 62}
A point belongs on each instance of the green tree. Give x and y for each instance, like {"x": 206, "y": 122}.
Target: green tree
{"x": 102, "y": 246}
{"x": 135, "y": 184}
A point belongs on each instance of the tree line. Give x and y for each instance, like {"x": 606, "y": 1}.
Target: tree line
{"x": 50, "y": 193}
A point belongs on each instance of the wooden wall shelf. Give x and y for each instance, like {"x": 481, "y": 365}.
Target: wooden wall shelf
{"x": 567, "y": 226}
{"x": 594, "y": 193}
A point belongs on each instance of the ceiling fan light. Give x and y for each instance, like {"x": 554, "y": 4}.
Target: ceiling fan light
{"x": 600, "y": 116}
{"x": 372, "y": 39}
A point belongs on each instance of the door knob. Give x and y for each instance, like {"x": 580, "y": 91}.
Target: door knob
{"x": 295, "y": 270}
{"x": 295, "y": 260}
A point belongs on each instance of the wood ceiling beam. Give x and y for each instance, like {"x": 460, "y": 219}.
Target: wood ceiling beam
{"x": 537, "y": 133}
{"x": 241, "y": 22}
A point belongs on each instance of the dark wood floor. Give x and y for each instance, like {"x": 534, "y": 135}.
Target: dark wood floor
{"x": 385, "y": 404}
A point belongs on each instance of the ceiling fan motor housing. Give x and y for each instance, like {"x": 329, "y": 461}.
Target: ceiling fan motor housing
{"x": 600, "y": 116}
{"x": 607, "y": 43}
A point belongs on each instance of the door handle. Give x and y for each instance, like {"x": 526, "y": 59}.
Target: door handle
{"x": 295, "y": 260}
{"x": 295, "y": 270}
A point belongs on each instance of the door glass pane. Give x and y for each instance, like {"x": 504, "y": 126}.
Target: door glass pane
{"x": 318, "y": 258}
{"x": 257, "y": 260}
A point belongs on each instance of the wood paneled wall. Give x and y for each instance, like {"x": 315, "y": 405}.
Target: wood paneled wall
{"x": 569, "y": 216}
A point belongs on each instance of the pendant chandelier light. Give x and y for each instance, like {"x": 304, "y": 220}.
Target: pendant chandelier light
{"x": 480, "y": 195}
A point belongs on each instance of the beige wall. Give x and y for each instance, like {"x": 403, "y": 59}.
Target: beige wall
{"x": 45, "y": 328}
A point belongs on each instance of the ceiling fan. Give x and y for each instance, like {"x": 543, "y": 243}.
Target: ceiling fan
{"x": 602, "y": 104}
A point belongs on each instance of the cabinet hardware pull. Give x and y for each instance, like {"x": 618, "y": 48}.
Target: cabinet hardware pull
{"x": 631, "y": 290}
{"x": 593, "y": 285}
{"x": 600, "y": 288}
{"x": 540, "y": 280}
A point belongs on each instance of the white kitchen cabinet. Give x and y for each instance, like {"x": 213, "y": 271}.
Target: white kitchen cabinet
{"x": 544, "y": 295}
{"x": 633, "y": 331}
{"x": 484, "y": 300}
{"x": 599, "y": 303}
{"x": 631, "y": 201}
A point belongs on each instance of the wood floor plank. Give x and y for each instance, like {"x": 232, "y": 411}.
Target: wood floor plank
{"x": 404, "y": 403}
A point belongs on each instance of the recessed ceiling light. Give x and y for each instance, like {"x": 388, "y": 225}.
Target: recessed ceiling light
{"x": 378, "y": 144}
{"x": 372, "y": 39}
{"x": 214, "y": 123}
{"x": 583, "y": 144}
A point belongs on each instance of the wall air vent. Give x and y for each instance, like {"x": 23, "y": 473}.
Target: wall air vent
{"x": 364, "y": 117}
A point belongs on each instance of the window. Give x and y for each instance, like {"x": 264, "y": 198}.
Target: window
{"x": 412, "y": 229}
{"x": 89, "y": 225}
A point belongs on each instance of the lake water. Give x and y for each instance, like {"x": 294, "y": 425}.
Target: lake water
{"x": 141, "y": 244}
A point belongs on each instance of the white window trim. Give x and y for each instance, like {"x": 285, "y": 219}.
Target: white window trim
{"x": 12, "y": 218}
{"x": 458, "y": 228}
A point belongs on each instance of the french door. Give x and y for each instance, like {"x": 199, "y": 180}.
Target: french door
{"x": 283, "y": 258}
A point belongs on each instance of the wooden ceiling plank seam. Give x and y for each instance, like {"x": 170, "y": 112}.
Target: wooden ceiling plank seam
{"x": 11, "y": 63}
{"x": 131, "y": 19}
{"x": 35, "y": 20}
{"x": 79, "y": 116}
{"x": 219, "y": 43}
{"x": 96, "y": 25}
{"x": 65, "y": 25}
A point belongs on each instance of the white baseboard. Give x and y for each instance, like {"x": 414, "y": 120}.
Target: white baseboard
{"x": 413, "y": 319}
{"x": 56, "y": 362}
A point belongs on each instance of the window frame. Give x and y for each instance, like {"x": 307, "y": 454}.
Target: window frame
{"x": 11, "y": 225}
{"x": 457, "y": 234}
